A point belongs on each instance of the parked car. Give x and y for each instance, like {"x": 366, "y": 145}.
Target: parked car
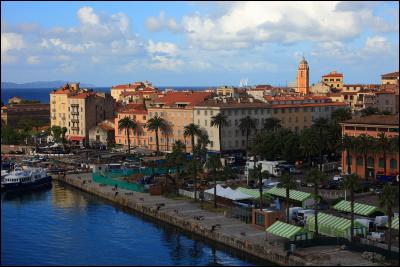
{"x": 334, "y": 185}
{"x": 337, "y": 177}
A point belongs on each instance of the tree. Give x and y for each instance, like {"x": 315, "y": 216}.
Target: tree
{"x": 192, "y": 130}
{"x": 365, "y": 143}
{"x": 213, "y": 166}
{"x": 193, "y": 168}
{"x": 316, "y": 177}
{"x": 246, "y": 125}
{"x": 321, "y": 124}
{"x": 155, "y": 124}
{"x": 351, "y": 182}
{"x": 63, "y": 139}
{"x": 128, "y": 124}
{"x": 9, "y": 136}
{"x": 389, "y": 199}
{"x": 177, "y": 158}
{"x": 308, "y": 145}
{"x": 201, "y": 147}
{"x": 219, "y": 121}
{"x": 272, "y": 124}
{"x": 383, "y": 144}
{"x": 340, "y": 115}
{"x": 287, "y": 182}
{"x": 348, "y": 144}
{"x": 56, "y": 132}
{"x": 369, "y": 111}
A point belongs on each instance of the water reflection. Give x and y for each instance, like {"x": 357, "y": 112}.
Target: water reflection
{"x": 21, "y": 197}
{"x": 64, "y": 197}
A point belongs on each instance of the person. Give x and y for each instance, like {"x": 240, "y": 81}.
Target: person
{"x": 116, "y": 186}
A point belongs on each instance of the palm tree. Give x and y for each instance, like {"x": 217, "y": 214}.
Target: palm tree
{"x": 365, "y": 143}
{"x": 213, "y": 165}
{"x": 287, "y": 182}
{"x": 193, "y": 170}
{"x": 308, "y": 146}
{"x": 155, "y": 124}
{"x": 219, "y": 121}
{"x": 272, "y": 124}
{"x": 389, "y": 199}
{"x": 316, "y": 177}
{"x": 63, "y": 139}
{"x": 246, "y": 125}
{"x": 321, "y": 124}
{"x": 192, "y": 130}
{"x": 202, "y": 142}
{"x": 384, "y": 145}
{"x": 351, "y": 182}
{"x": 128, "y": 124}
{"x": 177, "y": 158}
{"x": 348, "y": 144}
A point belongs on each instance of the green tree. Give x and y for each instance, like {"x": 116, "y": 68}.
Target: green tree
{"x": 201, "y": 147}
{"x": 9, "y": 136}
{"x": 287, "y": 182}
{"x": 213, "y": 165}
{"x": 246, "y": 125}
{"x": 365, "y": 143}
{"x": 128, "y": 124}
{"x": 383, "y": 144}
{"x": 193, "y": 169}
{"x": 192, "y": 130}
{"x": 369, "y": 111}
{"x": 389, "y": 199}
{"x": 177, "y": 158}
{"x": 219, "y": 121}
{"x": 351, "y": 183}
{"x": 272, "y": 124}
{"x": 56, "y": 132}
{"x": 308, "y": 145}
{"x": 348, "y": 144}
{"x": 63, "y": 139}
{"x": 316, "y": 177}
{"x": 156, "y": 124}
{"x": 321, "y": 125}
{"x": 340, "y": 115}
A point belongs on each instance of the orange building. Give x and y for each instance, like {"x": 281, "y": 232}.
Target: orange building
{"x": 138, "y": 137}
{"x": 372, "y": 126}
{"x": 177, "y": 109}
{"x": 303, "y": 78}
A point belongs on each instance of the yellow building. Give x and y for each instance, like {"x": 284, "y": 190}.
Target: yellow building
{"x": 390, "y": 78}
{"x": 334, "y": 80}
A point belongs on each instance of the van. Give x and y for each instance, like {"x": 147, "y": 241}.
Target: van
{"x": 381, "y": 221}
{"x": 293, "y": 211}
{"x": 270, "y": 185}
{"x": 302, "y": 215}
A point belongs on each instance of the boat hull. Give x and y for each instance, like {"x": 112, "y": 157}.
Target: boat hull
{"x": 26, "y": 186}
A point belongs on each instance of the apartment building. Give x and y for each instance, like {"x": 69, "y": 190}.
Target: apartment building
{"x": 131, "y": 87}
{"x": 79, "y": 110}
{"x": 372, "y": 126}
{"x": 12, "y": 114}
{"x": 333, "y": 80}
{"x": 294, "y": 116}
{"x": 390, "y": 78}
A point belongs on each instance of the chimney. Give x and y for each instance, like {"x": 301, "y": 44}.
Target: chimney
{"x": 251, "y": 100}
{"x": 239, "y": 100}
{"x": 224, "y": 100}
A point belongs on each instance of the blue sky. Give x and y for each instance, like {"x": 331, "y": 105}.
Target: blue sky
{"x": 197, "y": 43}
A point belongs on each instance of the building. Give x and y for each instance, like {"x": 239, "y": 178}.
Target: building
{"x": 303, "y": 78}
{"x": 228, "y": 91}
{"x": 333, "y": 80}
{"x": 177, "y": 109}
{"x": 102, "y": 134}
{"x": 386, "y": 101}
{"x": 372, "y": 126}
{"x": 137, "y": 137}
{"x": 12, "y": 114}
{"x": 320, "y": 88}
{"x": 390, "y": 78}
{"x": 293, "y": 114}
{"x": 131, "y": 87}
{"x": 15, "y": 100}
{"x": 79, "y": 110}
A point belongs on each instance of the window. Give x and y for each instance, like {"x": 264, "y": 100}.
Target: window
{"x": 243, "y": 112}
{"x": 370, "y": 162}
{"x": 236, "y": 143}
{"x": 256, "y": 111}
{"x": 236, "y": 133}
{"x": 205, "y": 112}
{"x": 212, "y": 113}
{"x": 381, "y": 162}
{"x": 198, "y": 112}
{"x": 205, "y": 122}
{"x": 359, "y": 161}
{"x": 382, "y": 129}
{"x": 262, "y": 111}
{"x": 393, "y": 164}
{"x": 243, "y": 143}
{"x": 236, "y": 122}
{"x": 338, "y": 80}
{"x": 211, "y": 143}
{"x": 350, "y": 161}
{"x": 260, "y": 217}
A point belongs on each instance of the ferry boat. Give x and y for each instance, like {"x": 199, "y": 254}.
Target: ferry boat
{"x": 25, "y": 179}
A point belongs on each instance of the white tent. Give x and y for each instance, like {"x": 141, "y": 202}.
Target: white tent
{"x": 227, "y": 193}
{"x": 220, "y": 191}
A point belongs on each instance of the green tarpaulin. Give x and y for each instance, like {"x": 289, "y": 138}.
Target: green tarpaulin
{"x": 334, "y": 226}
{"x": 293, "y": 194}
{"x": 395, "y": 223}
{"x": 254, "y": 193}
{"x": 285, "y": 230}
{"x": 360, "y": 209}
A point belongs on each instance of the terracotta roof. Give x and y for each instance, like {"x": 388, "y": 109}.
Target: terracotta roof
{"x": 391, "y": 75}
{"x": 233, "y": 103}
{"x": 309, "y": 105}
{"x": 61, "y": 91}
{"x": 385, "y": 92}
{"x": 353, "y": 85}
{"x": 375, "y": 119}
{"x": 334, "y": 94}
{"x": 191, "y": 98}
{"x": 106, "y": 127}
{"x": 82, "y": 95}
{"x": 333, "y": 75}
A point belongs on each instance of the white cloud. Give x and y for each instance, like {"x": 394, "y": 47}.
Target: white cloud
{"x": 87, "y": 16}
{"x": 377, "y": 44}
{"x": 162, "y": 47}
{"x": 155, "y": 24}
{"x": 165, "y": 63}
{"x": 32, "y": 60}
{"x": 11, "y": 41}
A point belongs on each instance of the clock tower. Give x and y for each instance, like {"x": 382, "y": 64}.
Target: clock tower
{"x": 303, "y": 78}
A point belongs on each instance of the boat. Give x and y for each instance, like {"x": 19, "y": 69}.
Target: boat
{"x": 25, "y": 179}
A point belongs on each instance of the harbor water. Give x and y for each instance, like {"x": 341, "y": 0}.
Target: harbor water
{"x": 61, "y": 225}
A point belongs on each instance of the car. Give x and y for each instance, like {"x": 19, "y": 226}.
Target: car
{"x": 378, "y": 191}
{"x": 337, "y": 178}
{"x": 334, "y": 185}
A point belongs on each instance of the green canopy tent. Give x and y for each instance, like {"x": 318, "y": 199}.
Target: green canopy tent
{"x": 288, "y": 231}
{"x": 395, "y": 223}
{"x": 254, "y": 193}
{"x": 359, "y": 209}
{"x": 303, "y": 197}
{"x": 334, "y": 226}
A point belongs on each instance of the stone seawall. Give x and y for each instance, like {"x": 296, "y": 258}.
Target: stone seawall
{"x": 181, "y": 213}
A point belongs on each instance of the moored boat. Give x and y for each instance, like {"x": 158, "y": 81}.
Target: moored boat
{"x": 25, "y": 179}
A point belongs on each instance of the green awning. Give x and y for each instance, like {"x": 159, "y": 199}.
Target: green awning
{"x": 293, "y": 194}
{"x": 395, "y": 223}
{"x": 360, "y": 209}
{"x": 254, "y": 193}
{"x": 333, "y": 226}
{"x": 284, "y": 230}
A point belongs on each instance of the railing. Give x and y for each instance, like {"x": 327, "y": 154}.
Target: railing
{"x": 75, "y": 120}
{"x": 75, "y": 112}
{"x": 75, "y": 128}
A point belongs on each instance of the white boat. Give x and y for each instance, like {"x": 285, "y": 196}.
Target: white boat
{"x": 25, "y": 179}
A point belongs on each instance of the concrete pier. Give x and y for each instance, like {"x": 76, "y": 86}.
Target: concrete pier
{"x": 182, "y": 213}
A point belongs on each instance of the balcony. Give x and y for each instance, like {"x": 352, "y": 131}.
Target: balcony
{"x": 53, "y": 118}
{"x": 53, "y": 110}
{"x": 62, "y": 118}
{"x": 53, "y": 102}
{"x": 75, "y": 128}
{"x": 75, "y": 112}
{"x": 75, "y": 120}
{"x": 74, "y": 105}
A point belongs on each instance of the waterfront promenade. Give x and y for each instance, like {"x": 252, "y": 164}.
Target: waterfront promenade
{"x": 215, "y": 226}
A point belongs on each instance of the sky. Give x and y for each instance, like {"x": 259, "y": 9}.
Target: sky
{"x": 197, "y": 43}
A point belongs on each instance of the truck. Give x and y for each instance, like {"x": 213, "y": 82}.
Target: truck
{"x": 271, "y": 166}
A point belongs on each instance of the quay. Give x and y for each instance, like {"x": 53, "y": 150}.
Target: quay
{"x": 232, "y": 232}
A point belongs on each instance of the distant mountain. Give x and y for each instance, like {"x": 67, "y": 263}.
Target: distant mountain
{"x": 40, "y": 84}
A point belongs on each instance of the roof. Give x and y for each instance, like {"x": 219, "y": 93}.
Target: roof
{"x": 254, "y": 193}
{"x": 191, "y": 98}
{"x": 385, "y": 92}
{"x": 390, "y": 75}
{"x": 293, "y": 194}
{"x": 333, "y": 75}
{"x": 284, "y": 230}
{"x": 76, "y": 138}
{"x": 82, "y": 95}
{"x": 360, "y": 209}
{"x": 107, "y": 125}
{"x": 395, "y": 223}
{"x": 328, "y": 104}
{"x": 375, "y": 119}
{"x": 331, "y": 225}
{"x": 227, "y": 193}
